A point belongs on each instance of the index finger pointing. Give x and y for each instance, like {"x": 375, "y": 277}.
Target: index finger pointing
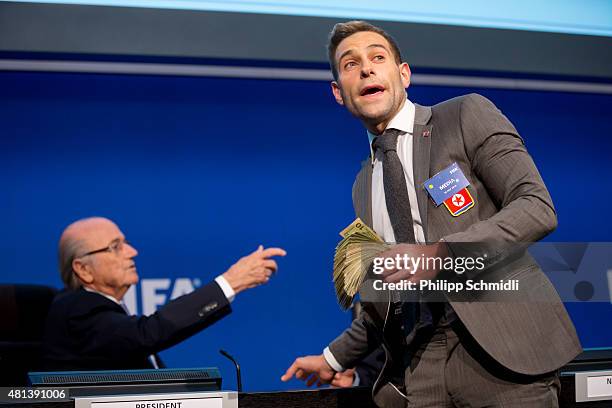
{"x": 290, "y": 372}
{"x": 268, "y": 252}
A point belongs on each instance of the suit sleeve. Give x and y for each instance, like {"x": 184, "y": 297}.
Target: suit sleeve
{"x": 354, "y": 343}
{"x": 369, "y": 368}
{"x": 500, "y": 160}
{"x": 106, "y": 332}
{"x": 357, "y": 341}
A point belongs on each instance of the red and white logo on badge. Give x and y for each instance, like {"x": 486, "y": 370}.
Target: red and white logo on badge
{"x": 459, "y": 202}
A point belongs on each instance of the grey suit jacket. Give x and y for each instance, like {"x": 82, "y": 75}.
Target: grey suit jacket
{"x": 529, "y": 334}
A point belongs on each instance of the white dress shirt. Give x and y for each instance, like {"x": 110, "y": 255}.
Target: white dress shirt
{"x": 226, "y": 288}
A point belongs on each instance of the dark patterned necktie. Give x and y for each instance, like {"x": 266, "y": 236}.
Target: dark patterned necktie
{"x": 396, "y": 191}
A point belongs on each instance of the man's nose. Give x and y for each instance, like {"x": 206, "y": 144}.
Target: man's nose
{"x": 131, "y": 251}
{"x": 367, "y": 69}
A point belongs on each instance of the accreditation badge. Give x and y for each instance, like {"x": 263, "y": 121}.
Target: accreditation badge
{"x": 449, "y": 186}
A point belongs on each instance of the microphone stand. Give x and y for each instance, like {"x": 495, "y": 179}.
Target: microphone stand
{"x": 233, "y": 360}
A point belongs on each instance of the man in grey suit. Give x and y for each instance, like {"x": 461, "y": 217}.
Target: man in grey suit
{"x": 474, "y": 348}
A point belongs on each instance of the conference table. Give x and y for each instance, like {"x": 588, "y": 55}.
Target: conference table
{"x": 356, "y": 397}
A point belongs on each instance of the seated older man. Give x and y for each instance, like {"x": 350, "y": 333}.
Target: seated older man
{"x": 88, "y": 327}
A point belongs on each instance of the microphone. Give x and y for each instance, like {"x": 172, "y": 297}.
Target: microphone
{"x": 233, "y": 360}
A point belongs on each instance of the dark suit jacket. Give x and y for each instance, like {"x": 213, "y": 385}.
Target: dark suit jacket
{"x": 528, "y": 334}
{"x": 87, "y": 331}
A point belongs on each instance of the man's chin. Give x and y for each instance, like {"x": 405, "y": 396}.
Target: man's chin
{"x": 374, "y": 118}
{"x": 374, "y": 113}
{"x": 134, "y": 278}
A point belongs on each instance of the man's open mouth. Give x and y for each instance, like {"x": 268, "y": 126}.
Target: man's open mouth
{"x": 372, "y": 90}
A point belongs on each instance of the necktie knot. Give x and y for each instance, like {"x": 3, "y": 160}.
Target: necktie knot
{"x": 387, "y": 141}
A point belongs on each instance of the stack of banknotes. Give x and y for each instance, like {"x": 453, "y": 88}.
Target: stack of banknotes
{"x": 354, "y": 255}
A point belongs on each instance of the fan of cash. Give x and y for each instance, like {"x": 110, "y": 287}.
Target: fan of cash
{"x": 354, "y": 254}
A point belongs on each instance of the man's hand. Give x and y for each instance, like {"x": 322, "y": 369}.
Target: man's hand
{"x": 415, "y": 251}
{"x": 254, "y": 269}
{"x": 312, "y": 369}
{"x": 344, "y": 379}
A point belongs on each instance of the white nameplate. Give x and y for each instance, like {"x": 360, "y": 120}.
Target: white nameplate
{"x": 600, "y": 386}
{"x": 175, "y": 400}
{"x": 593, "y": 385}
{"x": 165, "y": 403}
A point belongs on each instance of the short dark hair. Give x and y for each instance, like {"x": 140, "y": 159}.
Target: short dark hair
{"x": 343, "y": 30}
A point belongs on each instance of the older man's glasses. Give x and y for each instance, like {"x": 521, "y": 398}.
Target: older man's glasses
{"x": 115, "y": 247}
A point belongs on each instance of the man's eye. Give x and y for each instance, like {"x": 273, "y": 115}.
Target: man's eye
{"x": 116, "y": 246}
{"x": 350, "y": 64}
{"x": 379, "y": 58}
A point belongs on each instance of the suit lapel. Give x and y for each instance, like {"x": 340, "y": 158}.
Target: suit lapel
{"x": 363, "y": 193}
{"x": 421, "y": 146}
{"x": 362, "y": 201}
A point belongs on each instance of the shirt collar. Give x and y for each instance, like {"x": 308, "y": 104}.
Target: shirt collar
{"x": 403, "y": 120}
{"x": 103, "y": 294}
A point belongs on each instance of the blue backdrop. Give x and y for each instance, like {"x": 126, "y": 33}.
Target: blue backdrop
{"x": 199, "y": 171}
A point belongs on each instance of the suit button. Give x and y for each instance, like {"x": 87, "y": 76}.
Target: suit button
{"x": 208, "y": 308}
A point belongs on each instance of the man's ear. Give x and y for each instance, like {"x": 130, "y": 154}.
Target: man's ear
{"x": 83, "y": 271}
{"x": 337, "y": 93}
{"x": 405, "y": 74}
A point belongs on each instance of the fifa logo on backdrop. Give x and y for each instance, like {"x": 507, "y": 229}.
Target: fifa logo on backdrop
{"x": 146, "y": 297}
